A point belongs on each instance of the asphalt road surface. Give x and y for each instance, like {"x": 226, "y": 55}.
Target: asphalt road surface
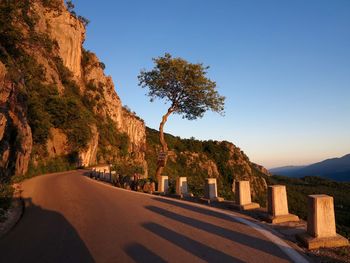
{"x": 71, "y": 218}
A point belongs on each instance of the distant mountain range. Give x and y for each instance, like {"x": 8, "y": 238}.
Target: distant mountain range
{"x": 336, "y": 169}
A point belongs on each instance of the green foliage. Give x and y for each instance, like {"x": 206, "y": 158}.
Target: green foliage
{"x": 43, "y": 40}
{"x": 52, "y": 165}
{"x": 218, "y": 152}
{"x": 102, "y": 65}
{"x": 112, "y": 143}
{"x": 184, "y": 85}
{"x": 47, "y": 108}
{"x": 299, "y": 188}
{"x": 127, "y": 168}
{"x": 70, "y": 5}
{"x": 39, "y": 120}
{"x": 86, "y": 58}
{"x": 51, "y": 4}
{"x": 84, "y": 20}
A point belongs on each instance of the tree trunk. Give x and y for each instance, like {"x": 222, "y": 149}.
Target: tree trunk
{"x": 161, "y": 166}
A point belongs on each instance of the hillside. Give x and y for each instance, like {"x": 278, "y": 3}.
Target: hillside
{"x": 202, "y": 159}
{"x": 58, "y": 108}
{"x": 336, "y": 169}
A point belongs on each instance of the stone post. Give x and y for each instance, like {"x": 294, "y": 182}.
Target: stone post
{"x": 243, "y": 196}
{"x": 113, "y": 177}
{"x": 278, "y": 205}
{"x": 163, "y": 184}
{"x": 181, "y": 186}
{"x": 210, "y": 190}
{"x": 321, "y": 231}
{"x": 320, "y": 218}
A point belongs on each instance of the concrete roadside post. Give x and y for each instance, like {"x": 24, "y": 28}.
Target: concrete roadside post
{"x": 181, "y": 186}
{"x": 243, "y": 196}
{"x": 321, "y": 231}
{"x": 211, "y": 191}
{"x": 278, "y": 205}
{"x": 163, "y": 184}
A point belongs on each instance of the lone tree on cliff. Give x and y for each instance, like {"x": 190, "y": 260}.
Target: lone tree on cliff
{"x": 187, "y": 89}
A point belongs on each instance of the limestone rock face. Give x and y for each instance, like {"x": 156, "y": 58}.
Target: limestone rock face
{"x": 16, "y": 137}
{"x": 203, "y": 162}
{"x": 111, "y": 106}
{"x": 136, "y": 130}
{"x": 57, "y": 143}
{"x": 88, "y": 157}
{"x": 245, "y": 170}
{"x": 67, "y": 30}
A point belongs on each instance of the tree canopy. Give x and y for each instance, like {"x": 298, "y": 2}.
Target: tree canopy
{"x": 184, "y": 85}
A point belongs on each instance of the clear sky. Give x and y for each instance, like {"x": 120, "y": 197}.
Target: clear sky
{"x": 284, "y": 67}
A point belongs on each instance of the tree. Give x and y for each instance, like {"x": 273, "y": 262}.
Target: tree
{"x": 70, "y": 6}
{"x": 185, "y": 86}
{"x": 85, "y": 22}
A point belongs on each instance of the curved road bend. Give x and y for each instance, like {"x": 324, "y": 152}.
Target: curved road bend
{"x": 71, "y": 218}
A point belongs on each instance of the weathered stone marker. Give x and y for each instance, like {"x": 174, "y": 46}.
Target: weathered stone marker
{"x": 181, "y": 186}
{"x": 278, "y": 205}
{"x": 243, "y": 196}
{"x": 210, "y": 191}
{"x": 321, "y": 231}
{"x": 113, "y": 175}
{"x": 163, "y": 184}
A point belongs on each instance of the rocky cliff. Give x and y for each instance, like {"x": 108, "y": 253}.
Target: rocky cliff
{"x": 15, "y": 133}
{"x": 56, "y": 100}
{"x": 202, "y": 159}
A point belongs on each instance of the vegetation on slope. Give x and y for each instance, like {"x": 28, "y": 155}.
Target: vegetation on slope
{"x": 206, "y": 156}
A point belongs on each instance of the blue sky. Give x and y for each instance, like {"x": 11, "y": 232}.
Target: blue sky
{"x": 284, "y": 67}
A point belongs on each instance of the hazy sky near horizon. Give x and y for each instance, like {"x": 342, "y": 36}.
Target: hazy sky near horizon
{"x": 284, "y": 67}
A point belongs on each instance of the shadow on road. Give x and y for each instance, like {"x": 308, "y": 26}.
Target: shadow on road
{"x": 194, "y": 247}
{"x": 194, "y": 209}
{"x": 43, "y": 236}
{"x": 140, "y": 253}
{"x": 235, "y": 236}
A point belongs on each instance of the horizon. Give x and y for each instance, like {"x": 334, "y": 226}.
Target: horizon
{"x": 283, "y": 67}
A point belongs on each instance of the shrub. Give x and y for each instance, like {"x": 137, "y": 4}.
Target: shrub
{"x": 6, "y": 192}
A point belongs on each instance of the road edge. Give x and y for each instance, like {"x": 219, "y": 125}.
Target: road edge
{"x": 295, "y": 254}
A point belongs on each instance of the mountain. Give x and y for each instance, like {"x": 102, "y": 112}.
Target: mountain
{"x": 335, "y": 168}
{"x": 58, "y": 110}
{"x": 286, "y": 170}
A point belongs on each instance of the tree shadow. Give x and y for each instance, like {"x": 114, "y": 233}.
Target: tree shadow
{"x": 194, "y": 247}
{"x": 43, "y": 236}
{"x": 235, "y": 236}
{"x": 195, "y": 209}
{"x": 140, "y": 253}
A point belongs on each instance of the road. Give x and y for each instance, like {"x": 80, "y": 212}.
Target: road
{"x": 71, "y": 218}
